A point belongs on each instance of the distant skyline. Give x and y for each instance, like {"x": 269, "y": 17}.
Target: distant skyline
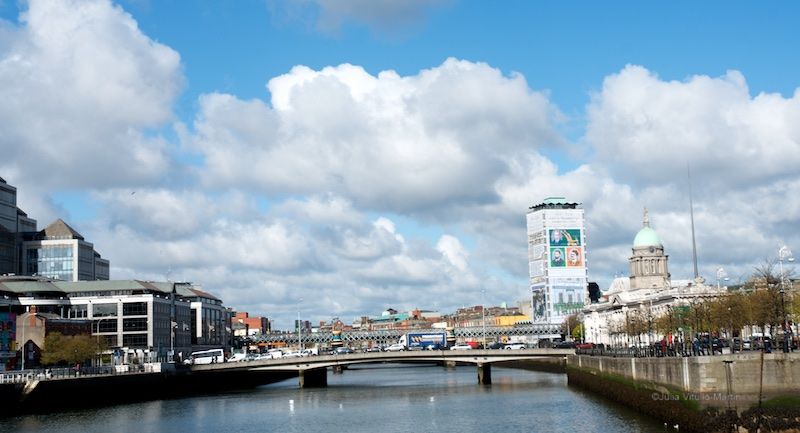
{"x": 373, "y": 154}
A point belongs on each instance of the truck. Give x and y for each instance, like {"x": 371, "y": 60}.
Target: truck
{"x": 424, "y": 340}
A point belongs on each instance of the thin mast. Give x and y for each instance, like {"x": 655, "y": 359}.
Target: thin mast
{"x": 691, "y": 216}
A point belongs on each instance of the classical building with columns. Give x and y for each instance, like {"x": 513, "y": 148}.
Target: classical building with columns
{"x": 648, "y": 292}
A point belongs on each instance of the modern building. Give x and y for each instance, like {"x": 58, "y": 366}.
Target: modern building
{"x": 145, "y": 320}
{"x": 61, "y": 253}
{"x": 557, "y": 260}
{"x": 13, "y": 223}
{"x": 649, "y": 292}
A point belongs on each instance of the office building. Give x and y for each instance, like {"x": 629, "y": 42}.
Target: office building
{"x": 557, "y": 260}
{"x": 61, "y": 253}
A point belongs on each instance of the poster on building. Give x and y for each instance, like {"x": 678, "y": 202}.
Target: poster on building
{"x": 537, "y": 252}
{"x": 538, "y": 304}
{"x": 564, "y": 218}
{"x": 8, "y": 332}
{"x": 567, "y": 299}
{"x": 535, "y": 222}
{"x": 564, "y": 237}
{"x": 574, "y": 257}
{"x": 537, "y": 268}
{"x": 557, "y": 257}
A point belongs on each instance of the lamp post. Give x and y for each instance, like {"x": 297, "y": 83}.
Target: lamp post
{"x": 299, "y": 329}
{"x": 483, "y": 315}
{"x": 24, "y": 322}
{"x": 784, "y": 253}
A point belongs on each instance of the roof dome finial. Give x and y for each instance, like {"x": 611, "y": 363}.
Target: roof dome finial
{"x": 646, "y": 219}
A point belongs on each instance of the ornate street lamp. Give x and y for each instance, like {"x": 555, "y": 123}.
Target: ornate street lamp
{"x": 784, "y": 253}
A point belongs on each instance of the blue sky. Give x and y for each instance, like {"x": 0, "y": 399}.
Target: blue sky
{"x": 370, "y": 189}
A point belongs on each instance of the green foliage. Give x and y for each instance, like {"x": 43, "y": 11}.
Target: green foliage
{"x": 59, "y": 349}
{"x": 578, "y": 332}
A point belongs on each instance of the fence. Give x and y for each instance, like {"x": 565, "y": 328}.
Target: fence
{"x": 24, "y": 376}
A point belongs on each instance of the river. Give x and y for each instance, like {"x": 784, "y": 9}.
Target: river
{"x": 381, "y": 398}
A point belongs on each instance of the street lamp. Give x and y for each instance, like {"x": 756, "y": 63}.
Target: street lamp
{"x": 299, "y": 334}
{"x": 483, "y": 315}
{"x": 784, "y": 253}
{"x": 24, "y": 322}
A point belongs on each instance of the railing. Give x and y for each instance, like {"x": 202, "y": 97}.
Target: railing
{"x": 393, "y": 334}
{"x": 654, "y": 351}
{"x": 23, "y": 376}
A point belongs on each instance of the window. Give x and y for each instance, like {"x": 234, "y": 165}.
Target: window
{"x": 134, "y": 309}
{"x": 110, "y": 340}
{"x": 134, "y": 340}
{"x": 105, "y": 325}
{"x": 77, "y": 312}
{"x": 134, "y": 324}
{"x": 104, "y": 310}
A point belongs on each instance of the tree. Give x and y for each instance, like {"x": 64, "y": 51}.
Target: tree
{"x": 72, "y": 349}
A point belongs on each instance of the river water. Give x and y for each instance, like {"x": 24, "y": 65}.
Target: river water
{"x": 381, "y": 399}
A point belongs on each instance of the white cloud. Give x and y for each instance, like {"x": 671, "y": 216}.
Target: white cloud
{"x": 80, "y": 84}
{"x": 649, "y": 129}
{"x": 385, "y": 142}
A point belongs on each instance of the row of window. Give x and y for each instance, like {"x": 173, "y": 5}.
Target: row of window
{"x": 128, "y": 325}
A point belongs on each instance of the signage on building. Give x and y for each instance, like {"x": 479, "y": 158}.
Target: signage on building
{"x": 8, "y": 335}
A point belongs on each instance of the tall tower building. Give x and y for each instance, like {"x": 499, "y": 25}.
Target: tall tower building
{"x": 556, "y": 258}
{"x": 13, "y": 222}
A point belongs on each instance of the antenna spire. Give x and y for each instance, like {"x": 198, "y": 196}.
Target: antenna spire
{"x": 691, "y": 216}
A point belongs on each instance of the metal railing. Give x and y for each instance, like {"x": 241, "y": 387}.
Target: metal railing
{"x": 23, "y": 376}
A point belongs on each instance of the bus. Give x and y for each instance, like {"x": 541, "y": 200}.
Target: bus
{"x": 206, "y": 357}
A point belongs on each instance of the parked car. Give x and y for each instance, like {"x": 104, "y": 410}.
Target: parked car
{"x": 396, "y": 347}
{"x": 461, "y": 346}
{"x": 515, "y": 346}
{"x": 343, "y": 351}
{"x": 496, "y": 345}
{"x": 565, "y": 345}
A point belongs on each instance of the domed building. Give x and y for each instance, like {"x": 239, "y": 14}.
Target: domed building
{"x": 648, "y": 264}
{"x": 648, "y": 291}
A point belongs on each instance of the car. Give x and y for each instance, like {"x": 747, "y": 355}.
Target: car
{"x": 461, "y": 346}
{"x": 496, "y": 345}
{"x": 565, "y": 345}
{"x": 515, "y": 346}
{"x": 396, "y": 347}
{"x": 373, "y": 349}
{"x": 343, "y": 351}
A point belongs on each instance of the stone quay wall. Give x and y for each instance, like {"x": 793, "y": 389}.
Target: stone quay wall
{"x": 711, "y": 379}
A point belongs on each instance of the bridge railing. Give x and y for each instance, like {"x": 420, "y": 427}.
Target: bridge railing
{"x": 650, "y": 351}
{"x": 385, "y": 335}
{"x": 22, "y": 376}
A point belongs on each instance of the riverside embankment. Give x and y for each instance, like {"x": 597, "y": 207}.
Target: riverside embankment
{"x": 50, "y": 394}
{"x": 701, "y": 393}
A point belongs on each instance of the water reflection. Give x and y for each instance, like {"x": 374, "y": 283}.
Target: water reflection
{"x": 385, "y": 398}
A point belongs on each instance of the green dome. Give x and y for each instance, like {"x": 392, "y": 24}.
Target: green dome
{"x": 646, "y": 237}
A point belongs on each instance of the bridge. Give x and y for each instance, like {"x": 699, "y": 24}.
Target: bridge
{"x": 312, "y": 370}
{"x": 386, "y": 335}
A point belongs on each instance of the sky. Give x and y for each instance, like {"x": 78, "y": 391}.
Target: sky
{"x": 333, "y": 159}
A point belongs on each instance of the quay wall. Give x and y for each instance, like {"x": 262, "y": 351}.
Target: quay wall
{"x": 93, "y": 391}
{"x": 743, "y": 392}
{"x": 744, "y": 375}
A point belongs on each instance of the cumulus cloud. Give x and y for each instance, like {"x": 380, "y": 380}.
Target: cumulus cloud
{"x": 305, "y": 195}
{"x": 81, "y": 85}
{"x": 403, "y": 144}
{"x": 649, "y": 129}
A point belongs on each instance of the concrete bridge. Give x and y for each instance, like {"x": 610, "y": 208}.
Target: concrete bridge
{"x": 312, "y": 370}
